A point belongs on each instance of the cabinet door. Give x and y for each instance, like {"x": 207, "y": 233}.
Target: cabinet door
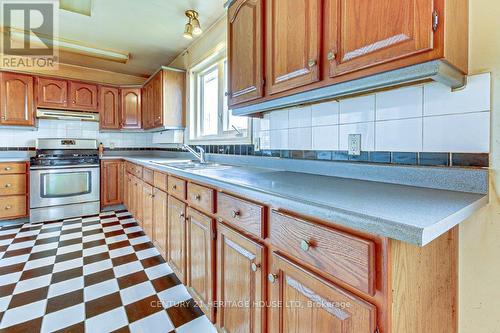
{"x": 138, "y": 201}
{"x": 126, "y": 190}
{"x": 109, "y": 107}
{"x": 313, "y": 304}
{"x": 245, "y": 56}
{"x": 131, "y": 108}
{"x": 52, "y": 93}
{"x": 160, "y": 209}
{"x": 294, "y": 42}
{"x": 133, "y": 196}
{"x": 83, "y": 96}
{"x": 147, "y": 121}
{"x": 240, "y": 280}
{"x": 17, "y": 107}
{"x": 374, "y": 32}
{"x": 200, "y": 260}
{"x": 157, "y": 100}
{"x": 147, "y": 209}
{"x": 111, "y": 183}
{"x": 176, "y": 237}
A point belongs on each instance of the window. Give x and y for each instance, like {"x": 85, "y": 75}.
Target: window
{"x": 211, "y": 120}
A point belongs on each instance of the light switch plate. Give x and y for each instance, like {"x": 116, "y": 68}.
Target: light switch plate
{"x": 354, "y": 144}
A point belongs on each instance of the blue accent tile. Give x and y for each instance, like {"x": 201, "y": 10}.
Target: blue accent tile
{"x": 434, "y": 159}
{"x": 380, "y": 157}
{"x": 404, "y": 158}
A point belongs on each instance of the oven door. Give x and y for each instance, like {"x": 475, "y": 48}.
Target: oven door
{"x": 63, "y": 186}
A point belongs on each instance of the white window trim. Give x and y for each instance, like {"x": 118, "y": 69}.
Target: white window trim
{"x": 227, "y": 137}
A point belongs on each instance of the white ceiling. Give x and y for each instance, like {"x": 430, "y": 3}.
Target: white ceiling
{"x": 150, "y": 30}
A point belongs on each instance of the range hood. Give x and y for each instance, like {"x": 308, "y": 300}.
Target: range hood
{"x": 67, "y": 115}
{"x": 436, "y": 70}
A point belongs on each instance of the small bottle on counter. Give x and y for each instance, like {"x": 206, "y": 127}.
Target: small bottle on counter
{"x": 101, "y": 150}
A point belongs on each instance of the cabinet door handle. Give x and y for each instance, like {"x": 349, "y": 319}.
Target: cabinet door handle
{"x": 174, "y": 187}
{"x": 272, "y": 278}
{"x": 8, "y": 185}
{"x": 305, "y": 245}
{"x": 197, "y": 197}
{"x": 255, "y": 267}
{"x": 181, "y": 215}
{"x": 8, "y": 207}
{"x": 311, "y": 63}
{"x": 7, "y": 168}
{"x": 331, "y": 55}
{"x": 235, "y": 213}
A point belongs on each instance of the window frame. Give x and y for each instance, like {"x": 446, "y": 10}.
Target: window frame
{"x": 196, "y": 113}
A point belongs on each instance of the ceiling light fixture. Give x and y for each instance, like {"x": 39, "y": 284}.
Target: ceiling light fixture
{"x": 193, "y": 26}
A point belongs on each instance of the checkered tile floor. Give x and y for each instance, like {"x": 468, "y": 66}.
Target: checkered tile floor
{"x": 92, "y": 274}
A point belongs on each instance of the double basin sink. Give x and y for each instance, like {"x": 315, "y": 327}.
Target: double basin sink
{"x": 191, "y": 165}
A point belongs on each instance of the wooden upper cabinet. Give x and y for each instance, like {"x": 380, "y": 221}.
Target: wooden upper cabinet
{"x": 362, "y": 33}
{"x": 156, "y": 100}
{"x": 313, "y": 305}
{"x": 131, "y": 108}
{"x": 83, "y": 96}
{"x": 293, "y": 43}
{"x": 245, "y": 53}
{"x": 240, "y": 280}
{"x": 16, "y": 94}
{"x": 111, "y": 183}
{"x": 52, "y": 93}
{"x": 109, "y": 107}
{"x": 147, "y": 114}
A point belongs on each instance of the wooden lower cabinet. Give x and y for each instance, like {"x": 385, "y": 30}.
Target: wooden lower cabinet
{"x": 310, "y": 304}
{"x": 241, "y": 283}
{"x": 139, "y": 184}
{"x": 14, "y": 190}
{"x": 147, "y": 209}
{"x": 176, "y": 237}
{"x": 111, "y": 183}
{"x": 160, "y": 217}
{"x": 200, "y": 257}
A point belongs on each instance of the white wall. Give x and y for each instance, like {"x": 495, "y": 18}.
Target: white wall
{"x": 18, "y": 137}
{"x": 422, "y": 118}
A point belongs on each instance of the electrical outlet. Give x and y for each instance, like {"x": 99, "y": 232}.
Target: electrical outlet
{"x": 256, "y": 144}
{"x": 111, "y": 145}
{"x": 354, "y": 144}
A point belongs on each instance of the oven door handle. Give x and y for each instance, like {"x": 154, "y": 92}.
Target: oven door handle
{"x": 64, "y": 167}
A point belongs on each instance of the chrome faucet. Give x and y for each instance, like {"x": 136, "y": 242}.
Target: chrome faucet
{"x": 200, "y": 156}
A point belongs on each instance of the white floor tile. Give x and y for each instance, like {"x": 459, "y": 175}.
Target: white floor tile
{"x": 137, "y": 292}
{"x": 44, "y": 247}
{"x": 34, "y": 283}
{"x": 100, "y": 289}
{"x": 13, "y": 260}
{"x": 23, "y": 313}
{"x": 64, "y": 318}
{"x": 4, "y": 302}
{"x": 107, "y": 322}
{"x": 157, "y": 322}
{"x": 39, "y": 263}
{"x": 174, "y": 295}
{"x": 10, "y": 278}
{"x": 95, "y": 250}
{"x": 158, "y": 271}
{"x": 71, "y": 236}
{"x": 147, "y": 253}
{"x": 68, "y": 264}
{"x": 97, "y": 267}
{"x": 127, "y": 269}
{"x": 122, "y": 251}
{"x": 201, "y": 324}
{"x": 65, "y": 287}
{"x": 70, "y": 248}
{"x": 22, "y": 245}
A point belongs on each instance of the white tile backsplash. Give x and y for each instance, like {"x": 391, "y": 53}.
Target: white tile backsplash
{"x": 71, "y": 129}
{"x": 458, "y": 133}
{"x": 325, "y": 114}
{"x": 325, "y": 138}
{"x": 367, "y": 131}
{"x": 357, "y": 109}
{"x": 300, "y": 138}
{"x": 440, "y": 99}
{"x": 399, "y": 103}
{"x": 299, "y": 117}
{"x": 428, "y": 117}
{"x": 403, "y": 135}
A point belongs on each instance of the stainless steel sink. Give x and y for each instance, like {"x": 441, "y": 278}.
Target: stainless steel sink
{"x": 192, "y": 165}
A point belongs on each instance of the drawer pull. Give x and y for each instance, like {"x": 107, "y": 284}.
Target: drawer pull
{"x": 8, "y": 168}
{"x": 181, "y": 215}
{"x": 255, "y": 267}
{"x": 197, "y": 197}
{"x": 305, "y": 245}
{"x": 8, "y": 185}
{"x": 235, "y": 214}
{"x": 272, "y": 278}
{"x": 174, "y": 187}
{"x": 8, "y": 207}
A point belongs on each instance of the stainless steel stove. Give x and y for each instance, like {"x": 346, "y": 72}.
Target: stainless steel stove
{"x": 64, "y": 179}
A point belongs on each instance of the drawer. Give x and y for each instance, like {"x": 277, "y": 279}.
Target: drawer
{"x": 13, "y": 184}
{"x": 177, "y": 187}
{"x": 148, "y": 176}
{"x": 12, "y": 167}
{"x": 243, "y": 214}
{"x": 134, "y": 169}
{"x": 13, "y": 207}
{"x": 200, "y": 197}
{"x": 343, "y": 256}
{"x": 160, "y": 180}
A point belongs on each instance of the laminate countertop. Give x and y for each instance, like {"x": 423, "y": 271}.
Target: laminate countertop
{"x": 411, "y": 214}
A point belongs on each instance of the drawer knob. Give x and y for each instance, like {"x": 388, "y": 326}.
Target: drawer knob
{"x": 272, "y": 278}
{"x": 197, "y": 197}
{"x": 181, "y": 215}
{"x": 174, "y": 187}
{"x": 305, "y": 245}
{"x": 8, "y": 185}
{"x": 311, "y": 63}
{"x": 330, "y": 56}
{"x": 235, "y": 213}
{"x": 8, "y": 207}
{"x": 8, "y": 168}
{"x": 255, "y": 267}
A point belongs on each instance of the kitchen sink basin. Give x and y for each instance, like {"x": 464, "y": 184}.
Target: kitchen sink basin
{"x": 192, "y": 165}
